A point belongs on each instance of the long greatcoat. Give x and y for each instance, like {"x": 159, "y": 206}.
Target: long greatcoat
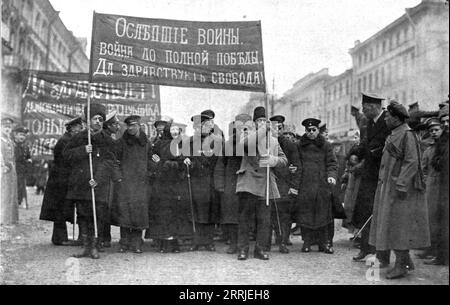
{"x": 371, "y": 148}
{"x": 169, "y": 207}
{"x": 22, "y": 154}
{"x": 318, "y": 161}
{"x": 134, "y": 155}
{"x": 54, "y": 202}
{"x": 9, "y": 209}
{"x": 104, "y": 166}
{"x": 206, "y": 207}
{"x": 225, "y": 180}
{"x": 432, "y": 194}
{"x": 399, "y": 224}
{"x": 285, "y": 179}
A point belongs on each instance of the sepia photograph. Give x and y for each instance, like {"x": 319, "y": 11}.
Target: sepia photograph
{"x": 224, "y": 148}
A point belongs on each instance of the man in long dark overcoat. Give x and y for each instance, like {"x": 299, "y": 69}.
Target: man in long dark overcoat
{"x": 371, "y": 148}
{"x": 104, "y": 164}
{"x": 54, "y": 205}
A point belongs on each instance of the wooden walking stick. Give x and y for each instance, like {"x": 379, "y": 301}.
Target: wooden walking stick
{"x": 91, "y": 170}
{"x": 365, "y": 224}
{"x": 190, "y": 198}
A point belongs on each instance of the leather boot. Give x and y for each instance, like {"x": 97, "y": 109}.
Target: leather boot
{"x": 175, "y": 246}
{"x": 306, "y": 242}
{"x": 94, "y": 248}
{"x": 233, "y": 249}
{"x": 409, "y": 263}
{"x": 383, "y": 258}
{"x": 399, "y": 269}
{"x": 260, "y": 254}
{"x": 86, "y": 247}
{"x": 243, "y": 255}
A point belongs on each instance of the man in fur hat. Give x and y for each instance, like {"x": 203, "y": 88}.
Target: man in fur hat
{"x": 104, "y": 165}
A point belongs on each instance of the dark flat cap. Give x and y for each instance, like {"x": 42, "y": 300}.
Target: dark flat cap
{"x": 162, "y": 120}
{"x": 354, "y": 109}
{"x": 432, "y": 122}
{"x": 209, "y": 113}
{"x": 278, "y": 118}
{"x": 311, "y": 122}
{"x": 21, "y": 129}
{"x": 132, "y": 119}
{"x": 413, "y": 105}
{"x": 442, "y": 105}
{"x": 372, "y": 98}
{"x": 397, "y": 109}
{"x": 443, "y": 112}
{"x": 200, "y": 118}
{"x": 75, "y": 121}
{"x": 322, "y": 127}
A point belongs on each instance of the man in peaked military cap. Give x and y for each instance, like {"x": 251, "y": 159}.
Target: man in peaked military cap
{"x": 288, "y": 183}
{"x": 371, "y": 148}
{"x": 55, "y": 207}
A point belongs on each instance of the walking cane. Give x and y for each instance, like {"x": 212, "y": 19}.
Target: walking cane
{"x": 190, "y": 198}
{"x": 74, "y": 221}
{"x": 94, "y": 212}
{"x": 278, "y": 217}
{"x": 365, "y": 224}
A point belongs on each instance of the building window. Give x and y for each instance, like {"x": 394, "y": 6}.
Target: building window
{"x": 391, "y": 43}
{"x": 406, "y": 33}
{"x": 399, "y": 38}
{"x": 382, "y": 77}
{"x": 370, "y": 81}
{"x": 328, "y": 117}
{"x": 359, "y": 85}
{"x": 365, "y": 57}
{"x": 333, "y": 120}
{"x": 340, "y": 90}
{"x": 359, "y": 60}
{"x": 383, "y": 49}
{"x": 376, "y": 80}
{"x": 364, "y": 83}
{"x": 389, "y": 74}
{"x": 339, "y": 115}
{"x": 347, "y": 87}
{"x": 334, "y": 92}
{"x": 371, "y": 55}
{"x": 346, "y": 113}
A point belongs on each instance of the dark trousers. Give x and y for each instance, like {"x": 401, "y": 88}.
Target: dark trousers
{"x": 130, "y": 238}
{"x": 281, "y": 218}
{"x": 204, "y": 234}
{"x": 365, "y": 247}
{"x": 319, "y": 235}
{"x": 249, "y": 204}
{"x": 232, "y": 233}
{"x": 59, "y": 232}
{"x": 86, "y": 219}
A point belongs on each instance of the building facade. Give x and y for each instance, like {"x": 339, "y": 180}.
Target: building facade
{"x": 307, "y": 98}
{"x": 35, "y": 38}
{"x": 408, "y": 60}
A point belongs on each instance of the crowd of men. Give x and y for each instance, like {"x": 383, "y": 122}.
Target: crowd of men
{"x": 263, "y": 179}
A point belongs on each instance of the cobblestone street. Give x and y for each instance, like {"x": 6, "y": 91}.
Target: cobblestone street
{"x": 28, "y": 257}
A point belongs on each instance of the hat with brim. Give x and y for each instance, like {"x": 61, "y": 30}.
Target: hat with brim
{"x": 209, "y": 113}
{"x": 443, "y": 112}
{"x": 163, "y": 120}
{"x": 278, "y": 118}
{"x": 413, "y": 105}
{"x": 132, "y": 119}
{"x": 311, "y": 122}
{"x": 432, "y": 122}
{"x": 110, "y": 116}
{"x": 371, "y": 98}
{"x": 21, "y": 129}
{"x": 200, "y": 118}
{"x": 397, "y": 109}
{"x": 73, "y": 122}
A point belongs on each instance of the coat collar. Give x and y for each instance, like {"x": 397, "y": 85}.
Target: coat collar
{"x": 319, "y": 141}
{"x": 130, "y": 140}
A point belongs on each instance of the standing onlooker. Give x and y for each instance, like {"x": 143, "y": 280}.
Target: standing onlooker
{"x": 440, "y": 163}
{"x": 133, "y": 151}
{"x": 262, "y": 150}
{"x": 80, "y": 184}
{"x": 432, "y": 176}
{"x": 288, "y": 182}
{"x": 400, "y": 218}
{"x": 23, "y": 161}
{"x": 318, "y": 174}
{"x": 55, "y": 207}
{"x": 371, "y": 148}
{"x": 9, "y": 208}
